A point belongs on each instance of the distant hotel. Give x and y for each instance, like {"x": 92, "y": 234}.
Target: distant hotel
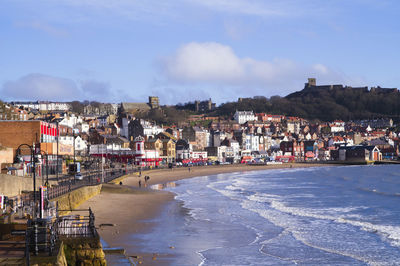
{"x": 44, "y": 105}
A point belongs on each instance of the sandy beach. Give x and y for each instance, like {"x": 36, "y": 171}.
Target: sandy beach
{"x": 124, "y": 210}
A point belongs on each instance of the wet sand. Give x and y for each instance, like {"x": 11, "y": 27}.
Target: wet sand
{"x": 124, "y": 210}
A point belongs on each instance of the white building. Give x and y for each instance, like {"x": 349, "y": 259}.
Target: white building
{"x": 235, "y": 150}
{"x": 83, "y": 127}
{"x": 198, "y": 155}
{"x": 80, "y": 144}
{"x": 70, "y": 121}
{"x": 293, "y": 127}
{"x": 337, "y": 126}
{"x": 243, "y": 116}
{"x": 252, "y": 142}
{"x": 150, "y": 129}
{"x": 44, "y": 105}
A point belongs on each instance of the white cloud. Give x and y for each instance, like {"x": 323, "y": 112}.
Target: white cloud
{"x": 45, "y": 87}
{"x": 217, "y": 64}
{"x": 95, "y": 89}
{"x": 39, "y": 86}
{"x": 203, "y": 62}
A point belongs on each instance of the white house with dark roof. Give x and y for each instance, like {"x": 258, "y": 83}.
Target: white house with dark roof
{"x": 242, "y": 117}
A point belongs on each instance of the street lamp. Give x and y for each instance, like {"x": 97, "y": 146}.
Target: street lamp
{"x": 73, "y": 135}
{"x": 57, "y": 136}
{"x": 102, "y": 164}
{"x": 33, "y": 163}
{"x": 47, "y": 167}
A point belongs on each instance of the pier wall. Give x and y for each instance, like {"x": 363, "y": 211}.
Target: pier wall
{"x": 73, "y": 199}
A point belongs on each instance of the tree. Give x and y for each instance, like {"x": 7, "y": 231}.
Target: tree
{"x": 77, "y": 107}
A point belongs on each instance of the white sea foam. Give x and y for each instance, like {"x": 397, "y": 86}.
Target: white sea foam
{"x": 284, "y": 216}
{"x": 282, "y": 220}
{"x": 263, "y": 197}
{"x": 389, "y": 231}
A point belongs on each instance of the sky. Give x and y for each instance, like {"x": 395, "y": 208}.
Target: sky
{"x": 186, "y": 50}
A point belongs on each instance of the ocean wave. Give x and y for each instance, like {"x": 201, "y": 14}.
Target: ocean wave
{"x": 388, "y": 231}
{"x": 338, "y": 214}
{"x": 296, "y": 229}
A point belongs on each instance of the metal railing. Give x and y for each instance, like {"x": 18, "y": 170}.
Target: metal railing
{"x": 76, "y": 225}
{"x": 88, "y": 179}
{"x": 91, "y": 178}
{"x": 40, "y": 237}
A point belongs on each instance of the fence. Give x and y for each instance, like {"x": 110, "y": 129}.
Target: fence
{"x": 88, "y": 179}
{"x": 76, "y": 225}
{"x": 40, "y": 237}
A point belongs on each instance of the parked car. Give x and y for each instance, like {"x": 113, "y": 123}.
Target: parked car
{"x": 78, "y": 176}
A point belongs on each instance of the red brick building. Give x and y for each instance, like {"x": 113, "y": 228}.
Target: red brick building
{"x": 294, "y": 148}
{"x": 32, "y": 132}
{"x": 15, "y": 133}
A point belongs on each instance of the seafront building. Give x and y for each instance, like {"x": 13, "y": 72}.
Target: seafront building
{"x": 246, "y": 137}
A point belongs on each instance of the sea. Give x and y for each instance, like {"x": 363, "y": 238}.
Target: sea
{"x": 339, "y": 215}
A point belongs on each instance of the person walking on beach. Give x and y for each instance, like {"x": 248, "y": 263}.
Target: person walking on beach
{"x": 140, "y": 183}
{"x": 189, "y": 169}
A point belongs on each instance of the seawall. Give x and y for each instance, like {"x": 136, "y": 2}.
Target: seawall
{"x": 73, "y": 199}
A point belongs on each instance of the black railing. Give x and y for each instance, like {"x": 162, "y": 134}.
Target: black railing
{"x": 88, "y": 179}
{"x": 76, "y": 225}
{"x": 40, "y": 237}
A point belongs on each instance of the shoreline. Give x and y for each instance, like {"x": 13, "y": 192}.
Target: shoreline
{"x": 124, "y": 210}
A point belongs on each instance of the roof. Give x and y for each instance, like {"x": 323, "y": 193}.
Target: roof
{"x": 134, "y": 107}
{"x": 123, "y": 139}
{"x": 358, "y": 147}
{"x": 244, "y": 112}
{"x": 168, "y": 135}
{"x": 152, "y": 140}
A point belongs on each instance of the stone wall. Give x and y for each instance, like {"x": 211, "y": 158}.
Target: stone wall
{"x": 84, "y": 251}
{"x": 75, "y": 198}
{"x": 11, "y": 185}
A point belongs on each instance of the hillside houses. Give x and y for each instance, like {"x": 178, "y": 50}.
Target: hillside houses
{"x": 245, "y": 137}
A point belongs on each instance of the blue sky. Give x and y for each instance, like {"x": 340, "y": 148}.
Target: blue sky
{"x": 183, "y": 50}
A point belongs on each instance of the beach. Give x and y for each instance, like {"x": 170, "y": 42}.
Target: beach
{"x": 124, "y": 210}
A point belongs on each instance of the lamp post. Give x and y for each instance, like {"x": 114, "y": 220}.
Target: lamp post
{"x": 58, "y": 134}
{"x": 73, "y": 135}
{"x": 102, "y": 166}
{"x": 32, "y": 149}
{"x": 47, "y": 167}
